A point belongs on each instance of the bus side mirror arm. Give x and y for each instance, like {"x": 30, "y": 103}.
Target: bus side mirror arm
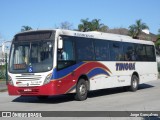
{"x": 60, "y": 43}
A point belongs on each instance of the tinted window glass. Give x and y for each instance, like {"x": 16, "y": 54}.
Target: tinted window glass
{"x": 85, "y": 50}
{"x": 116, "y": 51}
{"x": 67, "y": 53}
{"x": 150, "y": 53}
{"x": 66, "y": 56}
{"x": 141, "y": 52}
{"x": 32, "y": 57}
{"x": 101, "y": 50}
{"x": 129, "y": 52}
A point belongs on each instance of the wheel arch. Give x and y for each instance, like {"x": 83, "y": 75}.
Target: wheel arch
{"x": 85, "y": 77}
{"x": 136, "y": 73}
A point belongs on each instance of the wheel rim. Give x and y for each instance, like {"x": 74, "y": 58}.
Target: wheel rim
{"x": 135, "y": 83}
{"x": 82, "y": 89}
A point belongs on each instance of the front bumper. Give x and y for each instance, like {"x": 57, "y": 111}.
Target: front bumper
{"x": 48, "y": 89}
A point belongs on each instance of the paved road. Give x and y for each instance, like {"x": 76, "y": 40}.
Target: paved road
{"x": 147, "y": 98}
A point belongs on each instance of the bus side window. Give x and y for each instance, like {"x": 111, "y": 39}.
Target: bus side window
{"x": 150, "y": 53}
{"x": 101, "y": 50}
{"x": 67, "y": 53}
{"x": 116, "y": 51}
{"x": 85, "y": 50}
{"x": 129, "y": 52}
{"x": 141, "y": 53}
{"x": 66, "y": 56}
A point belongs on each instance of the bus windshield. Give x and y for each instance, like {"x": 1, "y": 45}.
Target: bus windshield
{"x": 31, "y": 57}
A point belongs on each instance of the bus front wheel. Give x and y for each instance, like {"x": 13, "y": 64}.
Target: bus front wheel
{"x": 134, "y": 83}
{"x": 81, "y": 90}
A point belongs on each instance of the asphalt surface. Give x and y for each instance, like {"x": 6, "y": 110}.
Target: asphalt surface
{"x": 147, "y": 98}
{"x": 3, "y": 86}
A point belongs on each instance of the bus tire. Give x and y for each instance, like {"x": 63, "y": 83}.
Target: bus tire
{"x": 81, "y": 90}
{"x": 134, "y": 83}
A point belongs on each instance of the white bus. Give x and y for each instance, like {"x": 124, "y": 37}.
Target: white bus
{"x": 54, "y": 62}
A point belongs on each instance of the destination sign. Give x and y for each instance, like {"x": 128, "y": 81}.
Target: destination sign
{"x": 33, "y": 36}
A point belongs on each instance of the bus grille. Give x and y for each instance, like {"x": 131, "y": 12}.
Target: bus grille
{"x": 28, "y": 77}
{"x": 28, "y": 80}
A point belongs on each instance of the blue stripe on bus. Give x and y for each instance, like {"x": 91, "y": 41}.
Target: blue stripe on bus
{"x": 97, "y": 71}
{"x": 66, "y": 71}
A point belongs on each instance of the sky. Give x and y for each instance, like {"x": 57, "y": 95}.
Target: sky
{"x": 46, "y": 14}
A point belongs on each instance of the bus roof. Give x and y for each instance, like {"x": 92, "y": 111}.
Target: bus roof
{"x": 95, "y": 35}
{"x": 104, "y": 36}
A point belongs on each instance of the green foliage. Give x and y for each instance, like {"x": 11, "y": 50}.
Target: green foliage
{"x": 2, "y": 72}
{"x": 157, "y": 43}
{"x": 93, "y": 25}
{"x": 25, "y": 28}
{"x": 136, "y": 29}
{"x": 85, "y": 25}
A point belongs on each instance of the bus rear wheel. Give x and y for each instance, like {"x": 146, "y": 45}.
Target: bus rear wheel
{"x": 134, "y": 83}
{"x": 81, "y": 90}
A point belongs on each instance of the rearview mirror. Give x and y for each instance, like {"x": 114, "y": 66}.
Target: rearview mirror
{"x": 60, "y": 43}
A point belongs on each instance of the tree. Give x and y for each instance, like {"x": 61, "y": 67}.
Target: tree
{"x": 93, "y": 25}
{"x": 85, "y": 25}
{"x": 157, "y": 43}
{"x": 158, "y": 39}
{"x": 158, "y": 36}
{"x": 97, "y": 26}
{"x": 25, "y": 28}
{"x": 66, "y": 25}
{"x": 136, "y": 29}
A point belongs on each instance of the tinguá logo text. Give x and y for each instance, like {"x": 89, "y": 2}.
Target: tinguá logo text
{"x": 125, "y": 66}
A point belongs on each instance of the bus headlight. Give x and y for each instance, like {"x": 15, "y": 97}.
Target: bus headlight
{"x": 10, "y": 81}
{"x": 48, "y": 78}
